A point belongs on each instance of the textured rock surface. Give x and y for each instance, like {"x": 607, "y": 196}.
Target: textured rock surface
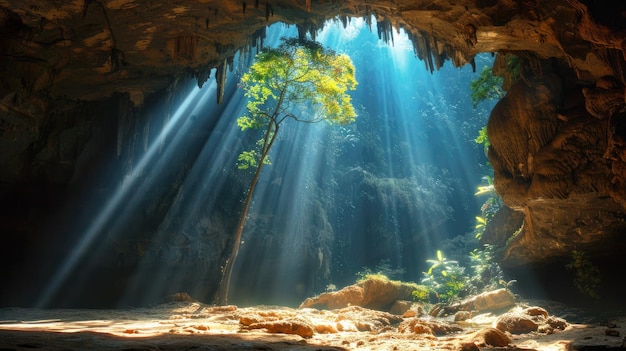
{"x": 488, "y": 301}
{"x": 378, "y": 294}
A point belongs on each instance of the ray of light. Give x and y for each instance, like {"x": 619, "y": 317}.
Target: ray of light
{"x": 127, "y": 190}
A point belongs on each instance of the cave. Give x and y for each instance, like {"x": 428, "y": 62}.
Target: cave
{"x": 119, "y": 148}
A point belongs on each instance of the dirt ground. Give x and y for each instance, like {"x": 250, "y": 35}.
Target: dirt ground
{"x": 195, "y": 326}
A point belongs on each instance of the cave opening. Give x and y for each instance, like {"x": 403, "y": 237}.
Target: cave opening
{"x": 384, "y": 193}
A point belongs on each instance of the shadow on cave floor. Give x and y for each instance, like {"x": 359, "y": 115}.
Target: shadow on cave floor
{"x": 87, "y": 340}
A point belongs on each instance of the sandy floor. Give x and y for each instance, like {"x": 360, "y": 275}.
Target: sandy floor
{"x": 194, "y": 326}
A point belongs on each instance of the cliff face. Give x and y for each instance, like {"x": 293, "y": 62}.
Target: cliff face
{"x": 558, "y": 137}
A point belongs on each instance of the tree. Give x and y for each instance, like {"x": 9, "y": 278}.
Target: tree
{"x": 486, "y": 87}
{"x": 300, "y": 80}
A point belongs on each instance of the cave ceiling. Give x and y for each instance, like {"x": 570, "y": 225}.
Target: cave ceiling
{"x": 559, "y": 148}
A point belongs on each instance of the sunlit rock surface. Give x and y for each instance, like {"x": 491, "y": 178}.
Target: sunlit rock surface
{"x": 73, "y": 72}
{"x": 374, "y": 293}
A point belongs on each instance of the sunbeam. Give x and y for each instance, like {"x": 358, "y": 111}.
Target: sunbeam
{"x": 130, "y": 189}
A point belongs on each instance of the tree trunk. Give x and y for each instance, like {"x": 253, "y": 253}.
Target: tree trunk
{"x": 222, "y": 292}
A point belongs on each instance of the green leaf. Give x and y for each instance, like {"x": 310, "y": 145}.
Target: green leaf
{"x": 487, "y": 189}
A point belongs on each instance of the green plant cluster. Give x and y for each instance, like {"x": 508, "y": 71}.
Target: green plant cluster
{"x": 486, "y": 87}
{"x": 445, "y": 278}
{"x": 483, "y": 139}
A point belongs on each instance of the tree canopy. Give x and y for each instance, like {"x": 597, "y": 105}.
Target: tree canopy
{"x": 299, "y": 80}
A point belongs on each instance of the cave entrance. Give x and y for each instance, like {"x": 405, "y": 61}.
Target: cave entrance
{"x": 381, "y": 194}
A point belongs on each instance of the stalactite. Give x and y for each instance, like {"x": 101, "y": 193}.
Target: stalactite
{"x": 269, "y": 11}
{"x": 244, "y": 7}
{"x": 220, "y": 78}
{"x": 230, "y": 62}
{"x": 203, "y": 74}
{"x": 258, "y": 38}
{"x": 307, "y": 27}
{"x": 344, "y": 21}
{"x": 368, "y": 17}
{"x": 385, "y": 31}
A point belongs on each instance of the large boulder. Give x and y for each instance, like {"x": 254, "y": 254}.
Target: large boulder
{"x": 375, "y": 292}
{"x": 495, "y": 300}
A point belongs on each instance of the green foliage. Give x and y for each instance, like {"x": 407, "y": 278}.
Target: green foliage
{"x": 479, "y": 229}
{"x": 483, "y": 139}
{"x": 513, "y": 66}
{"x": 445, "y": 278}
{"x": 382, "y": 269}
{"x": 487, "y": 274}
{"x": 421, "y": 294}
{"x": 486, "y": 87}
{"x": 250, "y": 158}
{"x": 587, "y": 279}
{"x": 489, "y": 207}
{"x": 299, "y": 75}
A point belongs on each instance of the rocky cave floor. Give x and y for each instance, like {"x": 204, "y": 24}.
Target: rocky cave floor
{"x": 196, "y": 326}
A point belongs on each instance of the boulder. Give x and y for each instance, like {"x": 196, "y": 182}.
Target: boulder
{"x": 407, "y": 309}
{"x": 378, "y": 293}
{"x": 529, "y": 319}
{"x": 488, "y": 301}
{"x": 516, "y": 323}
{"x": 488, "y": 337}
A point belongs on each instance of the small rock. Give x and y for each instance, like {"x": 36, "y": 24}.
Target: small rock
{"x": 516, "y": 323}
{"x": 556, "y": 322}
{"x": 536, "y": 311}
{"x": 488, "y": 337}
{"x": 400, "y": 307}
{"x": 611, "y": 332}
{"x": 416, "y": 326}
{"x": 407, "y": 309}
{"x": 469, "y": 346}
{"x": 462, "y": 316}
